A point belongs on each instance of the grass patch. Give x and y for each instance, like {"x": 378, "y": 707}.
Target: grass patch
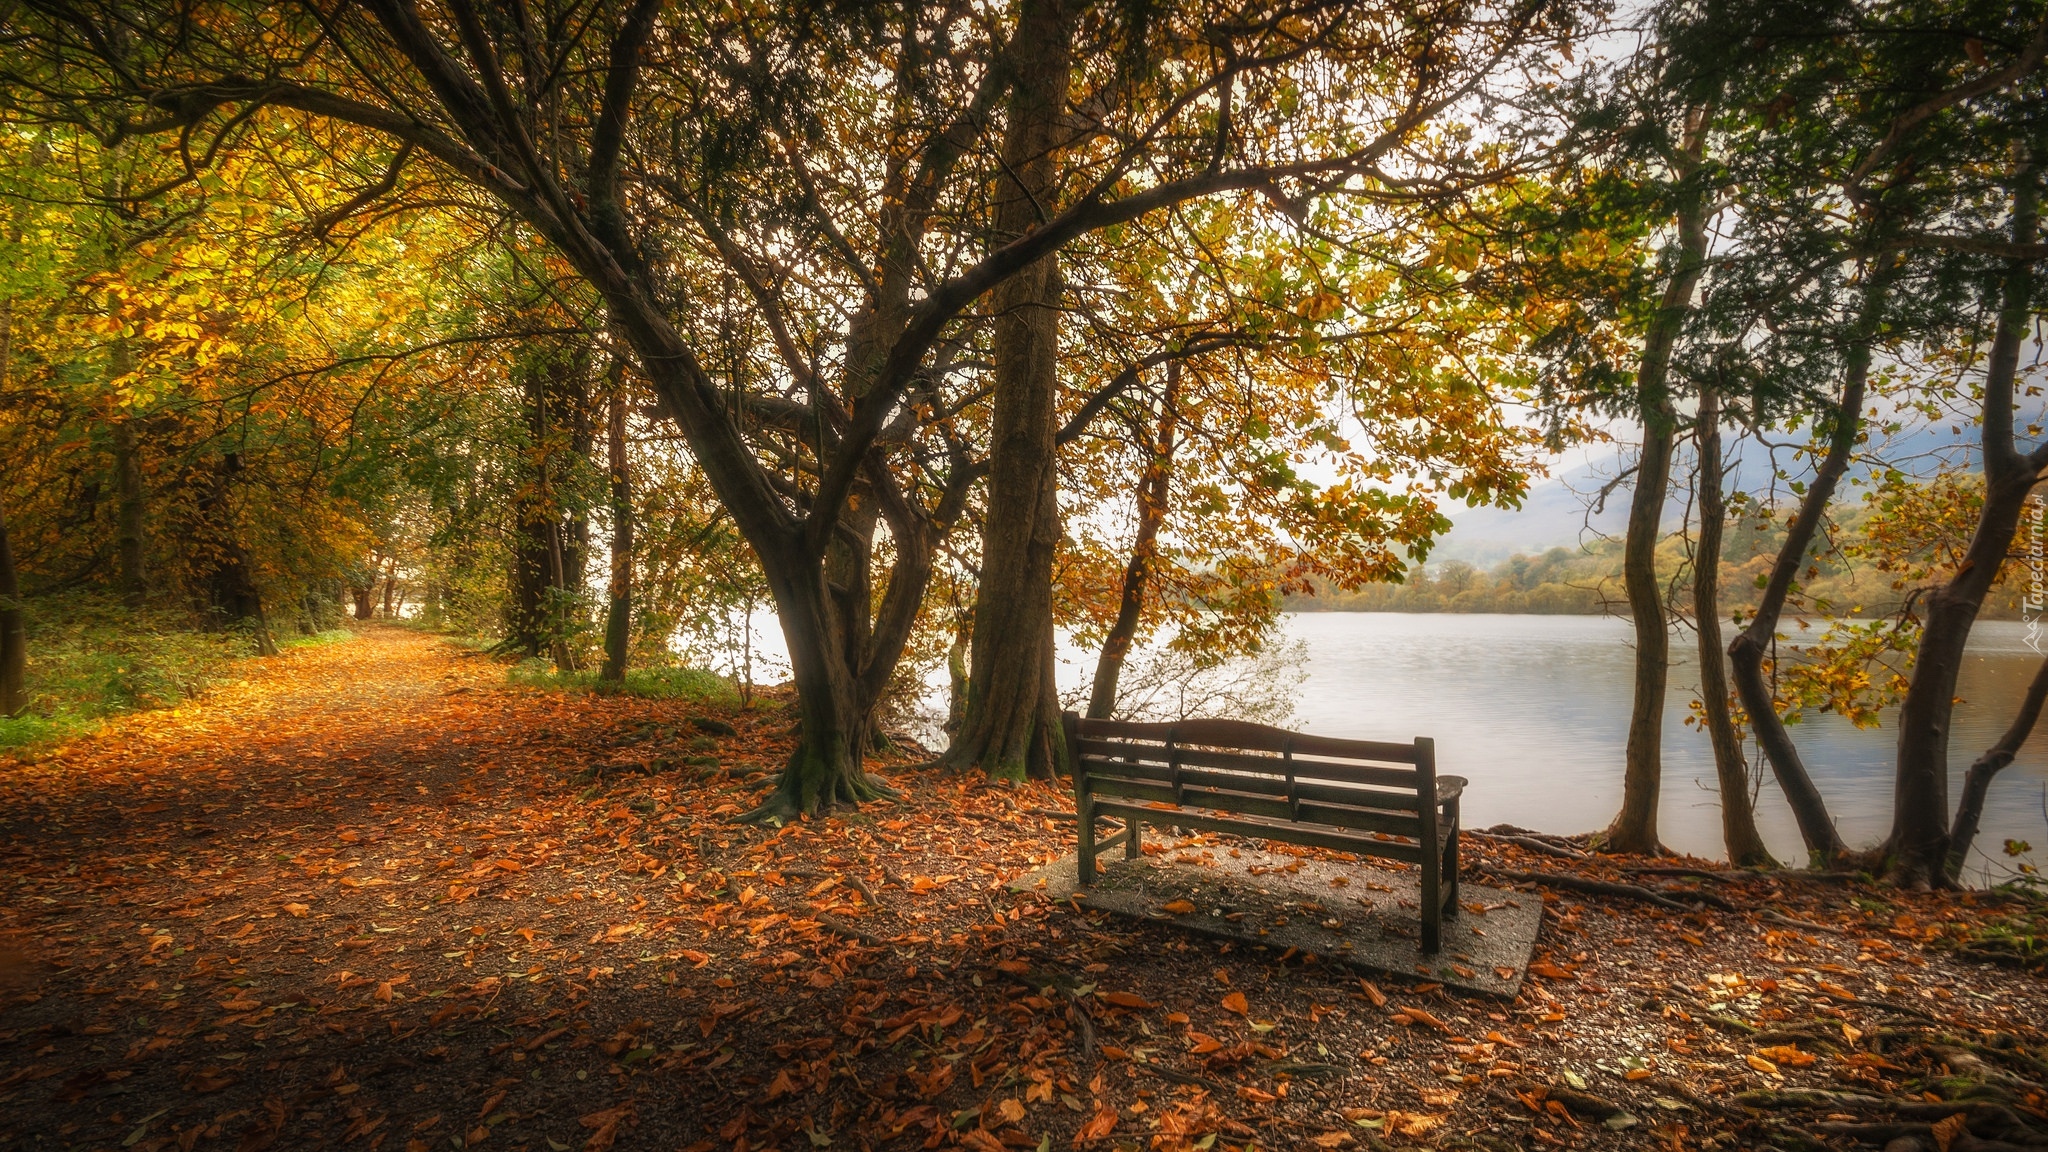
{"x": 666, "y": 683}
{"x": 90, "y": 658}
{"x": 317, "y": 639}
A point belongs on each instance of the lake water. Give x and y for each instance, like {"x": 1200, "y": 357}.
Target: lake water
{"x": 1534, "y": 711}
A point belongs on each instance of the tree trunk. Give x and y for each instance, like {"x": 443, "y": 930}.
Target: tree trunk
{"x": 13, "y": 621}
{"x": 1738, "y": 818}
{"x": 128, "y": 539}
{"x": 390, "y": 585}
{"x": 1977, "y": 781}
{"x": 956, "y": 676}
{"x": 1917, "y": 851}
{"x": 546, "y": 579}
{"x": 1746, "y": 653}
{"x": 618, "y": 618}
{"x": 365, "y": 602}
{"x": 1153, "y": 493}
{"x": 13, "y": 634}
{"x": 1635, "y": 827}
{"x": 1012, "y": 727}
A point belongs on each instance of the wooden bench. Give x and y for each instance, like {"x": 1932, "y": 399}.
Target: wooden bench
{"x": 1362, "y": 796}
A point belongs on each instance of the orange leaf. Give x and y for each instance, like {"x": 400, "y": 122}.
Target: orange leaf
{"x": 1098, "y": 1125}
{"x": 1127, "y": 1000}
{"x": 511, "y": 866}
{"x": 1422, "y": 1017}
{"x": 1787, "y": 1054}
{"x": 1946, "y": 1131}
{"x": 1235, "y": 1002}
{"x": 1178, "y": 907}
{"x": 1373, "y": 993}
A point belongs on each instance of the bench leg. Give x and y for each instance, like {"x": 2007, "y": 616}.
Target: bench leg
{"x": 1134, "y": 845}
{"x": 1451, "y": 858}
{"x": 1084, "y": 813}
{"x": 1432, "y": 901}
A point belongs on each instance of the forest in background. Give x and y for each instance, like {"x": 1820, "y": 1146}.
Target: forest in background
{"x": 600, "y": 330}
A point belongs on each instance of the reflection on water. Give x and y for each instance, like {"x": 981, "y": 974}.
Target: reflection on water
{"x": 1534, "y": 711}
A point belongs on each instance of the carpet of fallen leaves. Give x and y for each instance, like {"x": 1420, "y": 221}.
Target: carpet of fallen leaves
{"x": 373, "y": 897}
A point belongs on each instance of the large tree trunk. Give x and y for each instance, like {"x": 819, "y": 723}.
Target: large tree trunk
{"x": 1012, "y": 727}
{"x": 1977, "y": 781}
{"x": 1747, "y": 652}
{"x": 1917, "y": 851}
{"x": 13, "y": 634}
{"x": 1154, "y": 490}
{"x": 618, "y": 619}
{"x": 1738, "y": 817}
{"x": 1635, "y": 827}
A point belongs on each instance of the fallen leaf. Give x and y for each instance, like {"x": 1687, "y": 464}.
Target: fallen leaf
{"x": 1421, "y": 1016}
{"x": 1098, "y": 1125}
{"x": 1235, "y": 1002}
{"x": 1178, "y": 907}
{"x": 1946, "y": 1131}
{"x": 1126, "y": 1000}
{"x": 298, "y": 909}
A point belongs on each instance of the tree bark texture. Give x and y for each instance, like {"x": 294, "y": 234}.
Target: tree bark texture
{"x": 13, "y": 614}
{"x": 132, "y": 505}
{"x": 13, "y": 634}
{"x": 1012, "y": 726}
{"x": 1154, "y": 493}
{"x": 1977, "y": 781}
{"x": 1635, "y": 827}
{"x": 618, "y": 620}
{"x": 1917, "y": 851}
{"x": 1738, "y": 817}
{"x": 1749, "y": 649}
{"x": 546, "y": 577}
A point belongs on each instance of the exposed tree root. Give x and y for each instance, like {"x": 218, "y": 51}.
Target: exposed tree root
{"x": 1533, "y": 844}
{"x": 1664, "y": 899}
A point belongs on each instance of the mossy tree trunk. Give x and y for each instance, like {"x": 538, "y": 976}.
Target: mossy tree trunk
{"x": 1739, "y": 834}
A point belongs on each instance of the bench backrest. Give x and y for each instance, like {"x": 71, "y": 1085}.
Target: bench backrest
{"x": 1257, "y": 770}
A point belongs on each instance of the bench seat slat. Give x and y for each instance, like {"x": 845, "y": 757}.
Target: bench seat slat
{"x": 1259, "y": 785}
{"x": 1253, "y": 737}
{"x": 1304, "y": 768}
{"x": 1218, "y": 800}
{"x": 1290, "y": 833}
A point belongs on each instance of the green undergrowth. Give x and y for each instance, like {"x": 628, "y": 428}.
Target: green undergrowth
{"x": 91, "y": 658}
{"x": 663, "y": 683}
{"x": 2016, "y": 935}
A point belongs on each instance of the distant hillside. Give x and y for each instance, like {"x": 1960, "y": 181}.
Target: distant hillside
{"x": 1559, "y": 511}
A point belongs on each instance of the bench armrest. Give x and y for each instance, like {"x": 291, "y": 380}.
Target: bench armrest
{"x": 1449, "y": 788}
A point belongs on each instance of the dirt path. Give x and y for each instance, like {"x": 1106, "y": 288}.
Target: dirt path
{"x": 373, "y": 897}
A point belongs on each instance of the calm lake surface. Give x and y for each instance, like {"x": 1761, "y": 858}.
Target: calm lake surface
{"x": 1534, "y": 711}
